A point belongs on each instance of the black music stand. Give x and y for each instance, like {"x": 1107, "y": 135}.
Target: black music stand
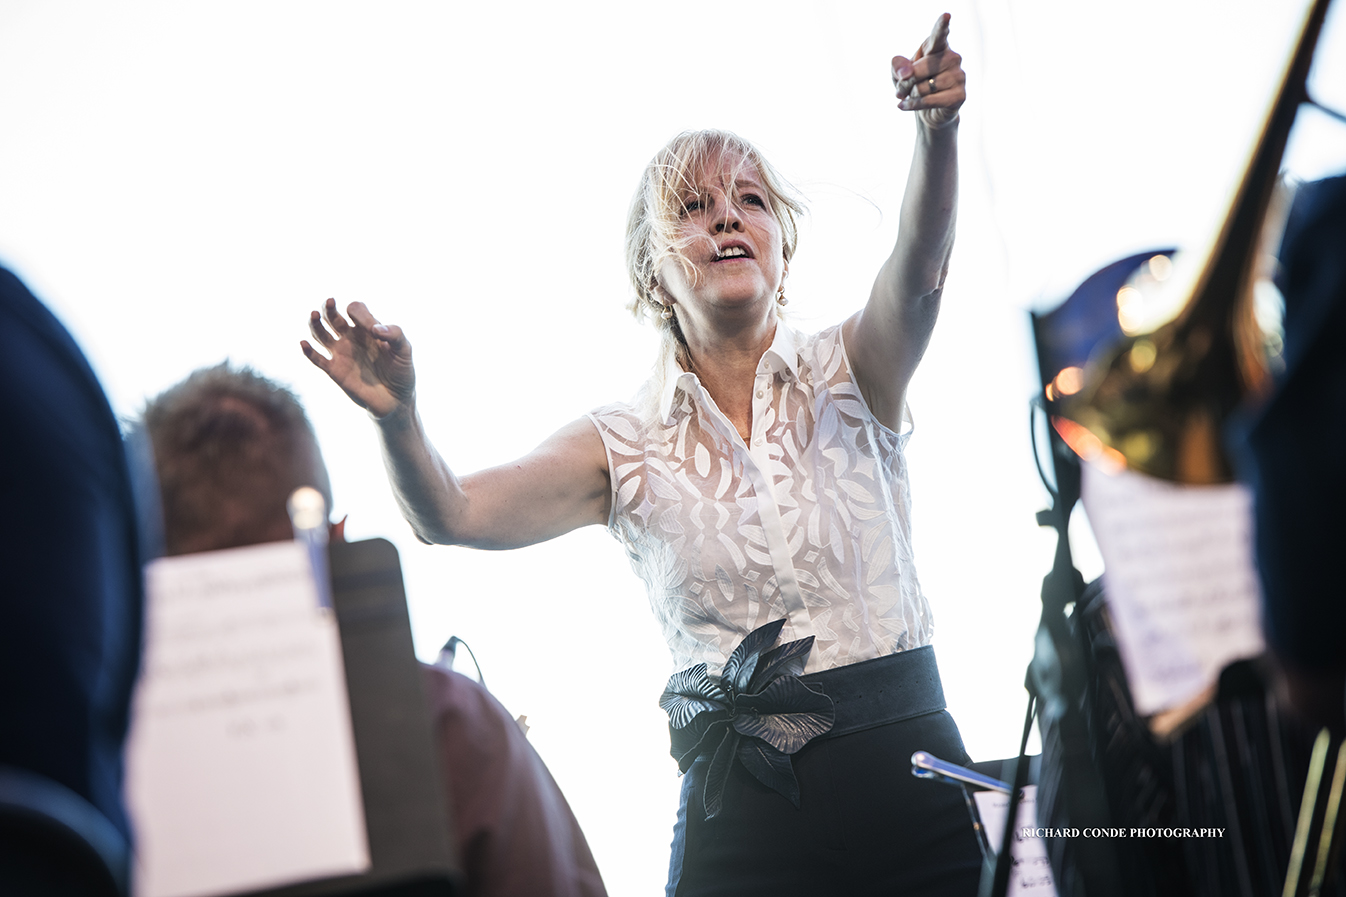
{"x": 1068, "y": 336}
{"x": 408, "y": 825}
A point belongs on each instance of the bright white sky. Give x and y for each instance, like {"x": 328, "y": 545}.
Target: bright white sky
{"x": 183, "y": 182}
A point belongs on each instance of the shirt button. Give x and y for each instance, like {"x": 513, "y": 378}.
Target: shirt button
{"x": 759, "y": 441}
{"x": 760, "y": 393}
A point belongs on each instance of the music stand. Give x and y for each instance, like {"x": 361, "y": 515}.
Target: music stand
{"x": 406, "y": 817}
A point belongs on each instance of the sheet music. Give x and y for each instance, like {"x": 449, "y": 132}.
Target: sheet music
{"x": 241, "y": 766}
{"x": 1031, "y": 874}
{"x": 1180, "y": 581}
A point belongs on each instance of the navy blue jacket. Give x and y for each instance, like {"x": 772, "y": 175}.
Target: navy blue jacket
{"x": 1297, "y": 447}
{"x": 70, "y": 582}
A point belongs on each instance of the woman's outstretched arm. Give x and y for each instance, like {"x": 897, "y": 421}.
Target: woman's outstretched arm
{"x": 887, "y": 338}
{"x": 561, "y": 485}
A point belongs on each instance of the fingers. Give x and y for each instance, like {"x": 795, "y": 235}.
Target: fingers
{"x": 320, "y": 333}
{"x": 949, "y": 99}
{"x": 928, "y": 60}
{"x": 362, "y": 333}
{"x": 947, "y": 89}
{"x": 913, "y": 77}
{"x": 360, "y": 320}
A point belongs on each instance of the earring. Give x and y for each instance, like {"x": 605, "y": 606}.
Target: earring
{"x": 780, "y": 297}
{"x": 667, "y": 313}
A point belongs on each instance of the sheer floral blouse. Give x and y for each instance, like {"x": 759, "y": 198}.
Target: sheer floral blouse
{"x": 810, "y": 520}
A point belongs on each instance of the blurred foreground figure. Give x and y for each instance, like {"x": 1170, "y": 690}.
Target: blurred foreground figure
{"x": 70, "y": 612}
{"x": 230, "y": 447}
{"x": 1297, "y": 447}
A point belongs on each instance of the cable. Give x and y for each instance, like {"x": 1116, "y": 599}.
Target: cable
{"x": 450, "y": 651}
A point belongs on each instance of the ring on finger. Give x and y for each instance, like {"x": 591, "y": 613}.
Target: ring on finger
{"x": 930, "y": 87}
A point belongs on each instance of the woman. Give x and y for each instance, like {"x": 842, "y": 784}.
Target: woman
{"x": 759, "y": 487}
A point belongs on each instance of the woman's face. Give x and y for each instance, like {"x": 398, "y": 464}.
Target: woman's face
{"x": 732, "y": 243}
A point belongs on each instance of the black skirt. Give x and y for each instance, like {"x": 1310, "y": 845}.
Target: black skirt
{"x": 865, "y": 824}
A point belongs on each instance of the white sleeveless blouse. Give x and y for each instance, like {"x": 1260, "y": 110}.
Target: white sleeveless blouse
{"x": 810, "y": 521}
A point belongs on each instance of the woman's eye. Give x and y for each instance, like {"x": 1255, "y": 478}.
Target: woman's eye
{"x": 692, "y": 205}
{"x": 753, "y": 199}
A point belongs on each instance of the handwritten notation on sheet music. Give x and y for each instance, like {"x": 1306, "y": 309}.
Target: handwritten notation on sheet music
{"x": 241, "y": 762}
{"x": 233, "y": 641}
{"x": 1180, "y": 581}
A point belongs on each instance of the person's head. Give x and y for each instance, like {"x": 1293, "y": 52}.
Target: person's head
{"x": 700, "y": 174}
{"x": 230, "y": 446}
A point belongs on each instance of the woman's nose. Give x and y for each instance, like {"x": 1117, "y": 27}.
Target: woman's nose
{"x": 730, "y": 221}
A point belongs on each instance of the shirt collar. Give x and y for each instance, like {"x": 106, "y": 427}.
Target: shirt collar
{"x": 781, "y": 357}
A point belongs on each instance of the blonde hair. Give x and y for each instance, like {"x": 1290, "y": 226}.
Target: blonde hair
{"x": 657, "y": 208}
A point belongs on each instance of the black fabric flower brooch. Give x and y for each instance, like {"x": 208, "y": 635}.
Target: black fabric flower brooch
{"x": 757, "y": 709}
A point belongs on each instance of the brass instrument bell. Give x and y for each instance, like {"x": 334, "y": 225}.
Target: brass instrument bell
{"x": 1156, "y": 401}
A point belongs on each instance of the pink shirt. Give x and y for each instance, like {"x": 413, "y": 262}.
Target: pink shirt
{"x": 514, "y": 830}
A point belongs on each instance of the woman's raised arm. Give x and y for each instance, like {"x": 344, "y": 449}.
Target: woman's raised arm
{"x": 561, "y": 485}
{"x": 886, "y": 339}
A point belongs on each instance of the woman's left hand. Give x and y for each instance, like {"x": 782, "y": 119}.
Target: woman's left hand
{"x": 932, "y": 81}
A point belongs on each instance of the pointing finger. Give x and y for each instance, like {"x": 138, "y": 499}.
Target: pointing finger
{"x": 939, "y": 35}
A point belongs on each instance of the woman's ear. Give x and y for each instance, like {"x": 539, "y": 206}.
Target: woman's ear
{"x": 660, "y": 296}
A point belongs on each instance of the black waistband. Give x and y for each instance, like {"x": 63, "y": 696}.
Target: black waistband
{"x": 884, "y": 690}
